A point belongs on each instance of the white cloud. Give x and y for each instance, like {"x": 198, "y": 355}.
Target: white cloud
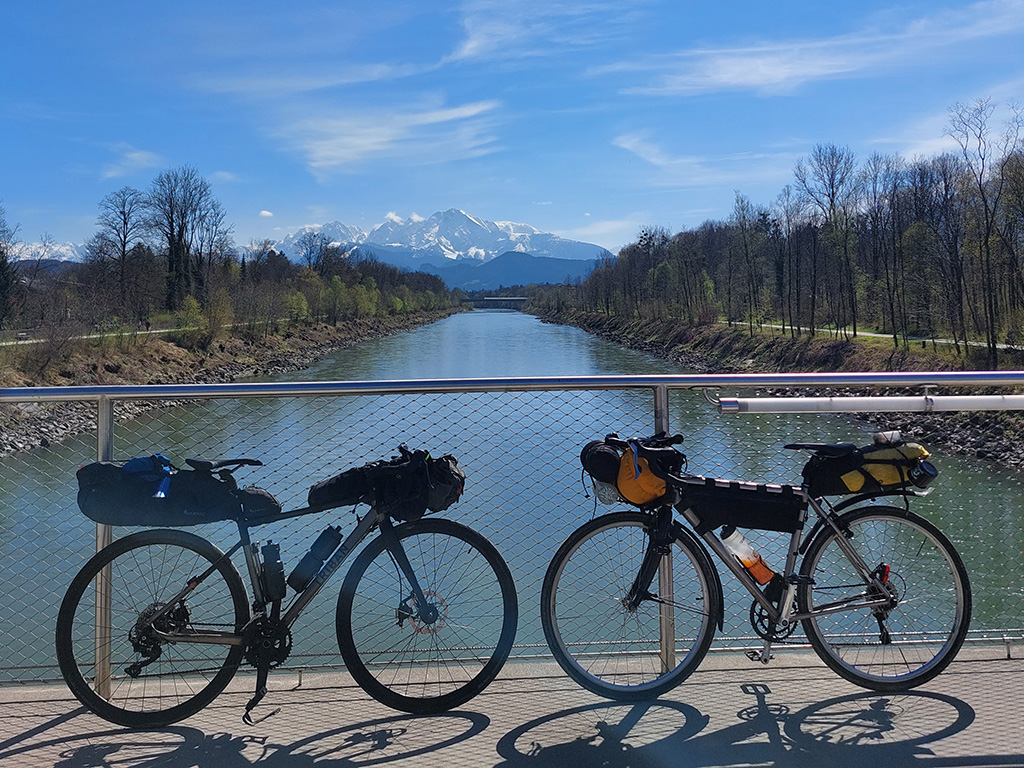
{"x": 510, "y": 29}
{"x": 416, "y": 218}
{"x": 223, "y": 176}
{"x": 785, "y": 65}
{"x": 394, "y": 218}
{"x": 130, "y": 160}
{"x": 608, "y": 233}
{"x": 264, "y": 214}
{"x": 275, "y": 84}
{"x": 339, "y": 141}
{"x": 680, "y": 171}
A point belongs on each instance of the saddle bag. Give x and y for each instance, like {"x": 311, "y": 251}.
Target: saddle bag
{"x": 150, "y": 491}
{"x": 871, "y": 469}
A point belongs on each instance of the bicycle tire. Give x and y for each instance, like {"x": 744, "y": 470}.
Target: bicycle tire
{"x": 926, "y": 627}
{"x": 604, "y": 648}
{"x": 424, "y": 668}
{"x": 147, "y": 568}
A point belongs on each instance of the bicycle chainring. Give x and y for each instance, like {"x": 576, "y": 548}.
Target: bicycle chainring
{"x": 267, "y": 643}
{"x": 765, "y": 628}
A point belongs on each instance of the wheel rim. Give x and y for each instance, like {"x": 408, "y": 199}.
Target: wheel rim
{"x": 604, "y": 644}
{"x": 152, "y": 682}
{"x": 404, "y": 659}
{"x": 927, "y": 621}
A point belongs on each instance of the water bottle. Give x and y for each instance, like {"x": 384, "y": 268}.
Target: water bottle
{"x": 746, "y": 554}
{"x": 273, "y": 572}
{"x": 309, "y": 565}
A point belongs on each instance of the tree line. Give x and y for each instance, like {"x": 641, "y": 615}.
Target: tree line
{"x": 168, "y": 252}
{"x": 920, "y": 247}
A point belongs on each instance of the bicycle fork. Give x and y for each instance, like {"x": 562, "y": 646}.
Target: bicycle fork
{"x": 416, "y": 607}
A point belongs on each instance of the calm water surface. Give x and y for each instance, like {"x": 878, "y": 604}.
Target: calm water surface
{"x": 519, "y": 450}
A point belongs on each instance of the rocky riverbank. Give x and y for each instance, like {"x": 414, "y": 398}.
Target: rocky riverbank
{"x": 141, "y": 359}
{"x": 718, "y": 349}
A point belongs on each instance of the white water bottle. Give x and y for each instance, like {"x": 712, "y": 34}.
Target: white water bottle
{"x": 746, "y": 554}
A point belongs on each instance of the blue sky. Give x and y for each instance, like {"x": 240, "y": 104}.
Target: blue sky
{"x": 587, "y": 119}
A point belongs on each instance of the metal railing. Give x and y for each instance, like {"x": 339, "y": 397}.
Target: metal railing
{"x": 518, "y": 439}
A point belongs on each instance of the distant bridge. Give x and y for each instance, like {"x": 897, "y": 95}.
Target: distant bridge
{"x": 497, "y": 302}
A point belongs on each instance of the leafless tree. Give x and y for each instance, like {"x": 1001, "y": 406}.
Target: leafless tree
{"x": 177, "y": 203}
{"x": 121, "y": 226}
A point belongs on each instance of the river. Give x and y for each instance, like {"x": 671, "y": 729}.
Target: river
{"x": 519, "y": 449}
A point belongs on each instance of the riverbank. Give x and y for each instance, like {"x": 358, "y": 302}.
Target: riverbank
{"x": 142, "y": 359}
{"x": 993, "y": 436}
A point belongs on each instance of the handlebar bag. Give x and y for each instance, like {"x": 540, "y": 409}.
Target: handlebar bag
{"x": 447, "y": 481}
{"x": 343, "y": 490}
{"x": 148, "y": 491}
{"x": 638, "y": 473}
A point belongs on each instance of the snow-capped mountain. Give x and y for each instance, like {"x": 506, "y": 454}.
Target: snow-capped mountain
{"x": 451, "y": 235}
{"x": 335, "y": 232}
{"x": 54, "y": 251}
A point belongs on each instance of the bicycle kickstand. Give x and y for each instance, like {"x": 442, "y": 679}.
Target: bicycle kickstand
{"x": 262, "y": 673}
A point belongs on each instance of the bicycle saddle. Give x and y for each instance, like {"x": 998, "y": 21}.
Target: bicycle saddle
{"x": 832, "y": 450}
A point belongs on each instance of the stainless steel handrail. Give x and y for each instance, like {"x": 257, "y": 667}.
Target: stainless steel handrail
{"x": 540, "y": 383}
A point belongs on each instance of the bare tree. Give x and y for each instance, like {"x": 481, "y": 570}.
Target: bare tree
{"x": 177, "y": 203}
{"x": 828, "y": 180}
{"x": 122, "y": 225}
{"x": 969, "y": 127}
{"x": 8, "y": 274}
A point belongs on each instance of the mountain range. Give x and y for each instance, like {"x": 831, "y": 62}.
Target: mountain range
{"x": 466, "y": 251}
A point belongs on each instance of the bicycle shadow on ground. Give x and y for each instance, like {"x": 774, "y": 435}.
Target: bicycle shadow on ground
{"x": 372, "y": 742}
{"x": 855, "y": 730}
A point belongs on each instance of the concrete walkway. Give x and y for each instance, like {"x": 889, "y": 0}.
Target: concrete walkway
{"x": 732, "y": 712}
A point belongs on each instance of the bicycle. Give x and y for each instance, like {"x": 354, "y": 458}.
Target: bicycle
{"x": 425, "y": 619}
{"x": 631, "y": 600}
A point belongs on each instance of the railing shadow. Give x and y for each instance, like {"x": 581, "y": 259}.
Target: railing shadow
{"x": 855, "y": 731}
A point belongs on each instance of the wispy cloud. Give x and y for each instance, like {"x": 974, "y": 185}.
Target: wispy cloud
{"x": 226, "y": 177}
{"x": 265, "y": 214}
{"x": 782, "y": 66}
{"x": 609, "y": 233}
{"x": 273, "y": 84}
{"x": 130, "y": 160}
{"x": 510, "y": 29}
{"x": 681, "y": 171}
{"x": 340, "y": 142}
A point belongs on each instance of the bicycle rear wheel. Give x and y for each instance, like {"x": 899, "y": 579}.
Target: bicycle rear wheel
{"x": 426, "y": 667}
{"x": 144, "y": 571}
{"x": 608, "y": 649}
{"x": 909, "y": 643}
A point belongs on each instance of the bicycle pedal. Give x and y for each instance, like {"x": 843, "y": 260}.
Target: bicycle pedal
{"x": 756, "y": 656}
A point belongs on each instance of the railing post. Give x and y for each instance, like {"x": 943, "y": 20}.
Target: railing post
{"x": 666, "y": 584}
{"x": 104, "y": 452}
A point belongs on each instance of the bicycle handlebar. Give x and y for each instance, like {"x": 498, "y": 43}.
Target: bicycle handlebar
{"x": 659, "y": 440}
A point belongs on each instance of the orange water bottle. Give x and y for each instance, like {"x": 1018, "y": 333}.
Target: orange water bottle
{"x": 746, "y": 554}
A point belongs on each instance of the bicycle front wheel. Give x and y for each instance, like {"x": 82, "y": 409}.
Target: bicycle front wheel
{"x": 908, "y": 642}
{"x": 426, "y": 666}
{"x": 148, "y": 681}
{"x": 603, "y": 646}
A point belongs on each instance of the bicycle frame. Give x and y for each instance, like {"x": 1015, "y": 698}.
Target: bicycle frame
{"x": 785, "y": 614}
{"x": 364, "y": 527}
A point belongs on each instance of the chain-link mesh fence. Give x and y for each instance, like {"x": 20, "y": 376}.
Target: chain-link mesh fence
{"x": 524, "y": 492}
